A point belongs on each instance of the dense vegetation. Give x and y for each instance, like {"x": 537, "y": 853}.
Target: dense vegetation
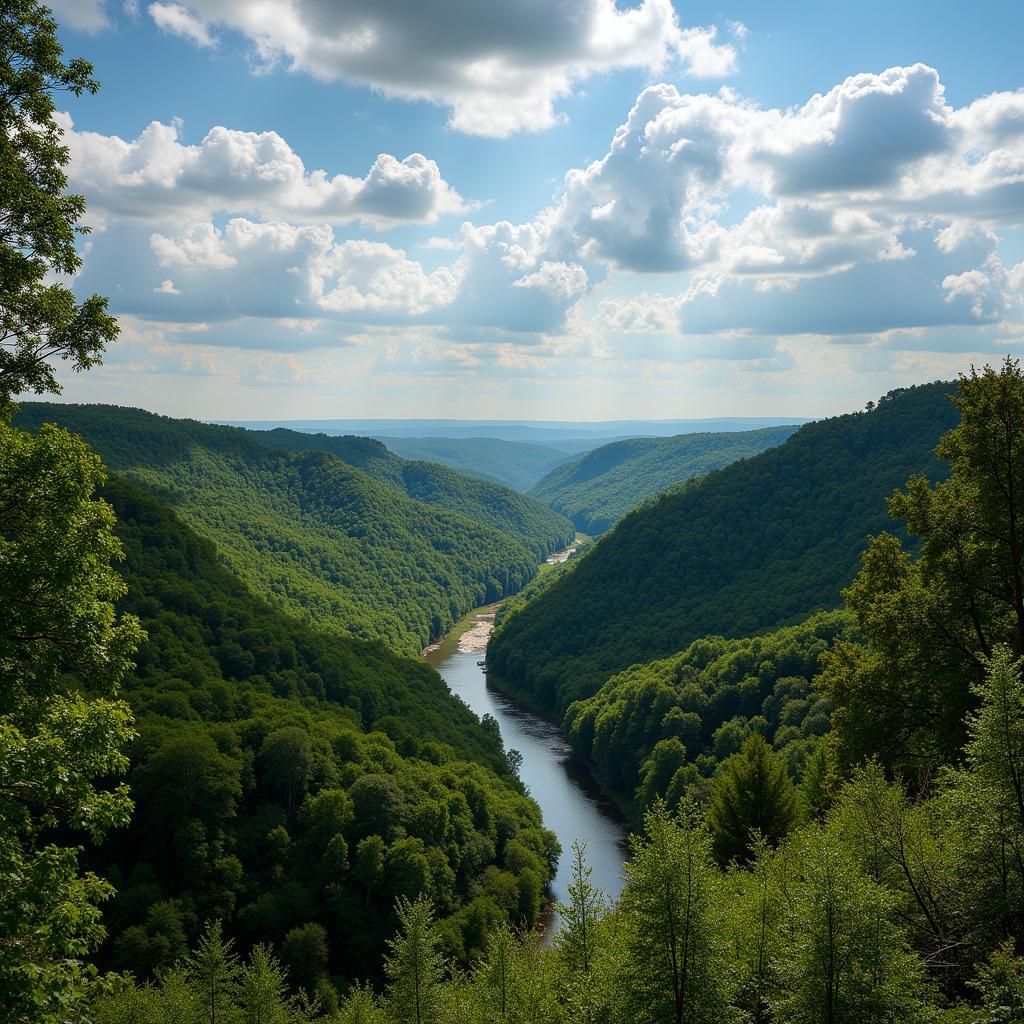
{"x": 536, "y": 525}
{"x": 516, "y": 464}
{"x": 866, "y": 896}
{"x": 299, "y": 794}
{"x": 293, "y": 785}
{"x": 598, "y": 488}
{"x": 319, "y": 537}
{"x": 762, "y": 543}
{"x": 656, "y": 729}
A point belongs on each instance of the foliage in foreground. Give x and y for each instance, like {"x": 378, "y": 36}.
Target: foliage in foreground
{"x": 888, "y": 909}
{"x": 63, "y": 728}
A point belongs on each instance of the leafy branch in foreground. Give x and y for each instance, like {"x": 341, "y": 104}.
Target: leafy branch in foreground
{"x": 39, "y": 219}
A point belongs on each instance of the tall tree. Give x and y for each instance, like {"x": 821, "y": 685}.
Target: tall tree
{"x": 578, "y": 941}
{"x": 215, "y": 972}
{"x": 753, "y": 795}
{"x": 930, "y": 623}
{"x": 672, "y": 968}
{"x": 39, "y": 220}
{"x": 63, "y": 653}
{"x": 414, "y": 965}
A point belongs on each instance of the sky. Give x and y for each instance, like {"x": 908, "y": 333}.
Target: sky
{"x": 545, "y": 209}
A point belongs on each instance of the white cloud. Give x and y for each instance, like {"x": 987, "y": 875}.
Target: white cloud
{"x": 155, "y": 176}
{"x": 925, "y": 288}
{"x": 370, "y": 276}
{"x": 271, "y": 269}
{"x": 560, "y": 281}
{"x": 506, "y": 282}
{"x": 179, "y": 21}
{"x": 84, "y": 15}
{"x": 499, "y": 68}
{"x": 869, "y": 209}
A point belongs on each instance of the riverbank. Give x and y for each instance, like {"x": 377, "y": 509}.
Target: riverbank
{"x": 572, "y": 803}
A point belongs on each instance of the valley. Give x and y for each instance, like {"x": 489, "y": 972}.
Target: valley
{"x": 572, "y": 804}
{"x": 510, "y": 514}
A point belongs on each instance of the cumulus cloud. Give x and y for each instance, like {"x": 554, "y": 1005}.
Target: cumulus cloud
{"x": 724, "y": 190}
{"x": 155, "y": 176}
{"x": 499, "y": 68}
{"x": 179, "y": 21}
{"x": 559, "y": 281}
{"x": 869, "y": 209}
{"x": 266, "y": 269}
{"x": 506, "y": 281}
{"x": 925, "y": 288}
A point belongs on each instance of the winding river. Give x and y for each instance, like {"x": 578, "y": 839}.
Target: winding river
{"x": 573, "y": 806}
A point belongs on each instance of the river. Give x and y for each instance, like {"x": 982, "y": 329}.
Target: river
{"x": 573, "y": 806}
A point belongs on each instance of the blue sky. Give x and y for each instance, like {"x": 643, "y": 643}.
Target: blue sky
{"x": 588, "y": 209}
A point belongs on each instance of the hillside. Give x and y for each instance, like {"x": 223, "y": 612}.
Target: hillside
{"x": 516, "y": 464}
{"x": 316, "y": 536}
{"x": 698, "y": 707}
{"x": 601, "y": 486}
{"x": 762, "y": 543}
{"x": 528, "y": 520}
{"x": 285, "y": 779}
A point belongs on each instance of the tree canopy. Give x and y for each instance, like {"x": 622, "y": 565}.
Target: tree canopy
{"x": 40, "y": 318}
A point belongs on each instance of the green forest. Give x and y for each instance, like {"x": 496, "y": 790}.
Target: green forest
{"x": 759, "y": 544}
{"x": 599, "y": 487}
{"x": 532, "y": 522}
{"x": 342, "y": 547}
{"x": 229, "y": 794}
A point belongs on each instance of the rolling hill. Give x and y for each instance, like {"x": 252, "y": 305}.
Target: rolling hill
{"x": 760, "y": 544}
{"x": 274, "y": 761}
{"x": 527, "y": 519}
{"x": 516, "y": 464}
{"x": 316, "y": 536}
{"x": 600, "y": 487}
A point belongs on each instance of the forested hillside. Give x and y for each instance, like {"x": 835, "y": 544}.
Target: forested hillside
{"x": 598, "y": 488}
{"x": 293, "y": 785}
{"x": 526, "y": 519}
{"x": 319, "y": 537}
{"x": 656, "y": 729}
{"x": 757, "y": 545}
{"x": 516, "y": 464}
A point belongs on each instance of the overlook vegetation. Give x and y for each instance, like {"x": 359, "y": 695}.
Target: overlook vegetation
{"x": 600, "y": 487}
{"x": 759, "y": 544}
{"x": 320, "y": 538}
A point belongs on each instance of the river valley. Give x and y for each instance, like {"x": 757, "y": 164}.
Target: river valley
{"x": 572, "y": 804}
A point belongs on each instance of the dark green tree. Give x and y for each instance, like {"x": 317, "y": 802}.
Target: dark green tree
{"x": 930, "y": 623}
{"x": 414, "y": 965}
{"x": 39, "y": 219}
{"x": 304, "y": 952}
{"x": 753, "y": 795}
{"x": 673, "y": 967}
{"x": 63, "y": 654}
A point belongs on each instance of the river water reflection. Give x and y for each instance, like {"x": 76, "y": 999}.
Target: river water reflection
{"x": 573, "y": 806}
